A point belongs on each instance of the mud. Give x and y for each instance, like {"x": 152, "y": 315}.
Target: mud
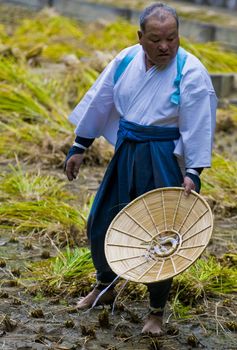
{"x": 32, "y": 321}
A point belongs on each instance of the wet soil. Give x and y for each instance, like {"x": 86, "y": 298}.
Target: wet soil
{"x": 32, "y": 321}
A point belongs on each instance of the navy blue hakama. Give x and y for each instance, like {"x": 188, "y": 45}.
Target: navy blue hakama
{"x": 143, "y": 160}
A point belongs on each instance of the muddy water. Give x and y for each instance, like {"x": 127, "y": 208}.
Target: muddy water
{"x": 34, "y": 322}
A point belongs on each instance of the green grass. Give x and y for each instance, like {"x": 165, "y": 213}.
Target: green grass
{"x": 70, "y": 272}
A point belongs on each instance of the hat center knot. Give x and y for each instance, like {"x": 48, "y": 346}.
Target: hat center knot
{"x": 164, "y": 244}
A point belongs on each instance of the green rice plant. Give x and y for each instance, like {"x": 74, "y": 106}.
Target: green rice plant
{"x": 214, "y": 58}
{"x": 49, "y": 36}
{"x": 72, "y": 265}
{"x": 206, "y": 277}
{"x": 24, "y": 185}
{"x": 18, "y": 74}
{"x": 57, "y": 36}
{"x": 56, "y": 51}
{"x": 112, "y": 36}
{"x": 35, "y": 143}
{"x": 219, "y": 183}
{"x": 70, "y": 272}
{"x": 24, "y": 92}
{"x": 12, "y": 72}
{"x": 179, "y": 310}
{"x": 44, "y": 28}
{"x": 15, "y": 100}
{"x": 44, "y": 216}
{"x": 38, "y": 99}
{"x": 77, "y": 82}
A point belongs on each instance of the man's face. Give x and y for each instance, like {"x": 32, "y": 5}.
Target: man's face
{"x": 160, "y": 40}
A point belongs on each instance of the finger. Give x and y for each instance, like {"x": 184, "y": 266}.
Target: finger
{"x": 70, "y": 170}
{"x": 187, "y": 190}
{"x": 77, "y": 163}
{"x": 188, "y": 187}
{"x": 75, "y": 171}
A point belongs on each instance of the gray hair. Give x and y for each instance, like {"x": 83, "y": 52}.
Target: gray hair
{"x": 160, "y": 10}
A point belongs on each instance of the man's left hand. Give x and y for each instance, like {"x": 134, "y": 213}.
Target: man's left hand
{"x": 188, "y": 185}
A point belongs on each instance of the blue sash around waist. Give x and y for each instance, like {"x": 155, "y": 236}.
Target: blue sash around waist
{"x": 144, "y": 133}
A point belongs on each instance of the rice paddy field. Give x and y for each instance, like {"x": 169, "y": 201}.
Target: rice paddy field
{"x": 47, "y": 63}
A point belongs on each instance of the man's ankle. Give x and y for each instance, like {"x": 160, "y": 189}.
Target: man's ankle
{"x": 156, "y": 311}
{"x": 103, "y": 285}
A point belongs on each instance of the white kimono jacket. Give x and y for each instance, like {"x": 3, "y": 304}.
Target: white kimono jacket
{"x": 143, "y": 97}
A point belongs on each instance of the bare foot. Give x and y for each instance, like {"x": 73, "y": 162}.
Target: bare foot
{"x": 153, "y": 325}
{"x": 87, "y": 302}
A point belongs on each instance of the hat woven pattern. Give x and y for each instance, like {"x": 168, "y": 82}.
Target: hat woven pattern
{"x": 158, "y": 235}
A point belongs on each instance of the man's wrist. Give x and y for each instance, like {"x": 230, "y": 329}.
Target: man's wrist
{"x": 80, "y": 145}
{"x": 196, "y": 180}
{"x": 83, "y": 141}
{"x": 192, "y": 171}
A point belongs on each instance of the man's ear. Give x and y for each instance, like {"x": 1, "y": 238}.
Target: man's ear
{"x": 139, "y": 34}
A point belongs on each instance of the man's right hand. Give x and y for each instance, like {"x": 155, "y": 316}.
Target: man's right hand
{"x": 73, "y": 165}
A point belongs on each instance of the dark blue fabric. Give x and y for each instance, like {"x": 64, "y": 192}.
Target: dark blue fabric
{"x": 84, "y": 141}
{"x": 143, "y": 160}
{"x": 144, "y": 133}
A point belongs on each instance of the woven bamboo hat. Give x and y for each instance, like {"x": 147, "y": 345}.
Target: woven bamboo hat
{"x": 158, "y": 235}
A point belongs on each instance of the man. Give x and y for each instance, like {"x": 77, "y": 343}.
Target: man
{"x": 156, "y": 102}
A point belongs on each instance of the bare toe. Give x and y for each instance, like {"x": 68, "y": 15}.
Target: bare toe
{"x": 153, "y": 326}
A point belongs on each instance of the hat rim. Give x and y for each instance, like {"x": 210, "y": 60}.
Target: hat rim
{"x": 133, "y": 203}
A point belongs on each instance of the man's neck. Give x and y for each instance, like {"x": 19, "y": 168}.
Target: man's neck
{"x": 148, "y": 63}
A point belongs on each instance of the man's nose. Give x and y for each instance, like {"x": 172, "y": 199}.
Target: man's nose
{"x": 163, "y": 46}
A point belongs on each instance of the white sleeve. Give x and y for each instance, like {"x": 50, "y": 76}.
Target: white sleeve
{"x": 197, "y": 118}
{"x": 93, "y": 111}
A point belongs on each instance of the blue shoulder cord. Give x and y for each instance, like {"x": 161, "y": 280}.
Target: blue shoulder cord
{"x": 181, "y": 59}
{"x": 125, "y": 62}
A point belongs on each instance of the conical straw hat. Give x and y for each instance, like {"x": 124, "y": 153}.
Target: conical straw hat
{"x": 158, "y": 235}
